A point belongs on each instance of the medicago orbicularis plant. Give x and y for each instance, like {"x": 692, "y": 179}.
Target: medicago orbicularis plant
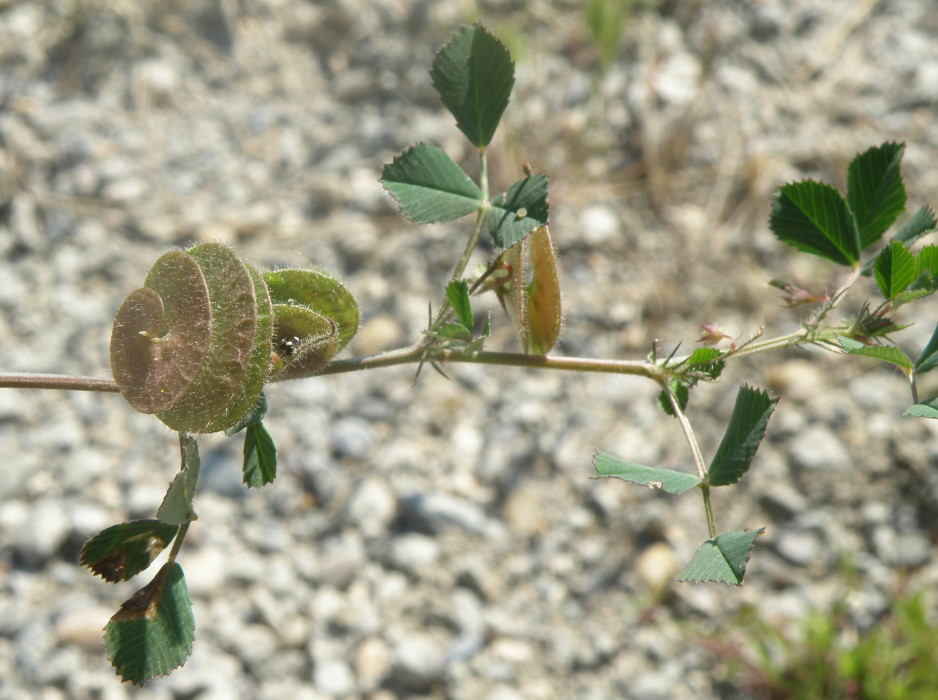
{"x": 198, "y": 342}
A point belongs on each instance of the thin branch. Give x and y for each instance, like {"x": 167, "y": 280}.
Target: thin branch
{"x": 29, "y": 380}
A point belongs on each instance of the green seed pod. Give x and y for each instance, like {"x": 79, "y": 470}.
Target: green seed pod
{"x": 320, "y": 293}
{"x": 304, "y": 342}
{"x": 193, "y": 345}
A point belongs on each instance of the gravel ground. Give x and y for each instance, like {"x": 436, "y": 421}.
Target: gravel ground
{"x": 443, "y": 539}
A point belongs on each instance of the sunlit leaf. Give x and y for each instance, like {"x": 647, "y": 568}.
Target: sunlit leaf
{"x": 153, "y": 631}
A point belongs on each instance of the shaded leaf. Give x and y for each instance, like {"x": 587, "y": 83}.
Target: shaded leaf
{"x": 519, "y": 210}
{"x": 743, "y": 436}
{"x": 429, "y": 186}
{"x": 813, "y": 217}
{"x": 153, "y": 631}
{"x": 122, "y": 551}
{"x": 875, "y": 192}
{"x": 665, "y": 479}
{"x": 260, "y": 457}
{"x": 454, "y": 331}
{"x": 474, "y": 74}
{"x": 722, "y": 559}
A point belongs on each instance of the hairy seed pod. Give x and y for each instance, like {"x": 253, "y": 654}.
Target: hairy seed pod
{"x": 193, "y": 344}
{"x": 531, "y": 295}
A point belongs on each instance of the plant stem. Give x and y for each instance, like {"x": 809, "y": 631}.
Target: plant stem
{"x": 29, "y": 380}
{"x": 695, "y": 454}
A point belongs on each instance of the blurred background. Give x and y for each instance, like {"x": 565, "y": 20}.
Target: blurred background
{"x": 443, "y": 539}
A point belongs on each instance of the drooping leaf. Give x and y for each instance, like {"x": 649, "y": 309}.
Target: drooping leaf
{"x": 743, "y": 436}
{"x": 894, "y": 270}
{"x": 928, "y": 360}
{"x": 177, "y": 507}
{"x": 665, "y": 479}
{"x": 153, "y": 631}
{"x": 474, "y": 74}
{"x": 886, "y": 353}
{"x": 875, "y": 192}
{"x": 722, "y": 559}
{"x": 457, "y": 292}
{"x": 320, "y": 292}
{"x": 924, "y": 409}
{"x": 429, "y": 186}
{"x": 122, "y": 551}
{"x": 813, "y": 217}
{"x": 519, "y": 210}
{"x": 260, "y": 457}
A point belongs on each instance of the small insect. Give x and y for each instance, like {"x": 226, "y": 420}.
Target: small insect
{"x": 288, "y": 346}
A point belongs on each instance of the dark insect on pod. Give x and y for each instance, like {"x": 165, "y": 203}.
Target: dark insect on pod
{"x": 288, "y": 346}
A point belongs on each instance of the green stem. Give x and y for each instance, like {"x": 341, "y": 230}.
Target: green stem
{"x": 30, "y": 380}
{"x": 695, "y": 454}
{"x": 184, "y": 528}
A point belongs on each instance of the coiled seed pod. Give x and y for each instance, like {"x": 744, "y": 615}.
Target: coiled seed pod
{"x": 197, "y": 342}
{"x": 193, "y": 344}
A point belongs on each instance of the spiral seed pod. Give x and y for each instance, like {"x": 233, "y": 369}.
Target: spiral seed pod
{"x": 193, "y": 345}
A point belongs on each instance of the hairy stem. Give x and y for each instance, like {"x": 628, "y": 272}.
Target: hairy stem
{"x": 695, "y": 454}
